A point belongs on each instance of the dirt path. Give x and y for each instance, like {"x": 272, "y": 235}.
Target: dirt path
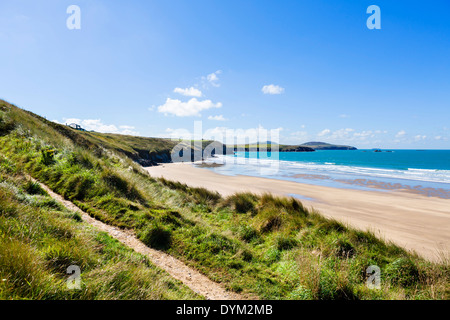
{"x": 177, "y": 269}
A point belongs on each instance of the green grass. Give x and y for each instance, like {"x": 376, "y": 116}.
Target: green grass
{"x": 263, "y": 246}
{"x": 38, "y": 244}
{"x": 157, "y": 237}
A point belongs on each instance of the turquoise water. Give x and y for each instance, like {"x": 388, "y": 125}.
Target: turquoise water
{"x": 419, "y": 170}
{"x": 394, "y": 159}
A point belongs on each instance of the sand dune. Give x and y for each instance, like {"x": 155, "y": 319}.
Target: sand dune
{"x": 415, "y": 222}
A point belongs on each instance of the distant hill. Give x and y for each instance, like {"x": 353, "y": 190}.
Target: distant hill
{"x": 264, "y": 146}
{"x": 327, "y": 146}
{"x": 305, "y": 147}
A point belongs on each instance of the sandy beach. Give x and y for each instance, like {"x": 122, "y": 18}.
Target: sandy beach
{"x": 412, "y": 221}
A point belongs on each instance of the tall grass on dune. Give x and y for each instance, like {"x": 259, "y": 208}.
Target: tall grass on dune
{"x": 39, "y": 241}
{"x": 258, "y": 245}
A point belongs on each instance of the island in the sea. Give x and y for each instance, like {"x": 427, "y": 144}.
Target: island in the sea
{"x": 305, "y": 147}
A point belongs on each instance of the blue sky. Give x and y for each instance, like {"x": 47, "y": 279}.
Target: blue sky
{"x": 311, "y": 68}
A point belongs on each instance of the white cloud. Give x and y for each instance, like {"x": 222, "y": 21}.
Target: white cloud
{"x": 272, "y": 89}
{"x": 344, "y": 116}
{"x": 98, "y": 126}
{"x": 419, "y": 137}
{"x": 298, "y": 137}
{"x": 324, "y": 132}
{"x": 186, "y": 109}
{"x": 400, "y": 134}
{"x": 342, "y": 134}
{"x": 365, "y": 134}
{"x": 242, "y": 136}
{"x": 178, "y": 134}
{"x": 217, "y": 118}
{"x": 349, "y": 135}
{"x": 227, "y": 135}
{"x": 190, "y": 92}
{"x": 213, "y": 78}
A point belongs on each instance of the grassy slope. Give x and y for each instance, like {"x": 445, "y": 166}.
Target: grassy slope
{"x": 131, "y": 146}
{"x": 261, "y": 245}
{"x": 39, "y": 239}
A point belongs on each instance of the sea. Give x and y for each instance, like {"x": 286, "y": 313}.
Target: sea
{"x": 424, "y": 172}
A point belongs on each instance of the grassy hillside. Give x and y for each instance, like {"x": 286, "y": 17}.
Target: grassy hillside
{"x": 39, "y": 239}
{"x": 146, "y": 151}
{"x": 263, "y": 246}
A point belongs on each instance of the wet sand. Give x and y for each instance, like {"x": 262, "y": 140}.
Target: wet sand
{"x": 413, "y": 221}
{"x": 376, "y": 184}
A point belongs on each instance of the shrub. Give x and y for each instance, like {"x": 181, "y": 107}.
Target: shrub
{"x": 80, "y": 158}
{"x": 202, "y": 195}
{"x": 333, "y": 287}
{"x": 402, "y": 272}
{"x": 284, "y": 242}
{"x": 48, "y": 202}
{"x": 6, "y": 126}
{"x": 121, "y": 185}
{"x": 7, "y": 208}
{"x": 157, "y": 237}
{"x": 292, "y": 206}
{"x": 174, "y": 185}
{"x": 76, "y": 216}
{"x": 21, "y": 267}
{"x": 77, "y": 186}
{"x": 8, "y": 211}
{"x": 217, "y": 243}
{"x": 301, "y": 293}
{"x": 242, "y": 202}
{"x": 247, "y": 233}
{"x": 34, "y": 188}
{"x": 330, "y": 225}
{"x": 245, "y": 255}
{"x": 271, "y": 223}
{"x": 344, "y": 248}
{"x": 62, "y": 255}
{"x": 47, "y": 156}
{"x": 171, "y": 217}
{"x": 59, "y": 259}
{"x": 7, "y": 166}
{"x": 115, "y": 181}
{"x": 272, "y": 255}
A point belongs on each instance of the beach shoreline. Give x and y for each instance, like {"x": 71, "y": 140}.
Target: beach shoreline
{"x": 413, "y": 221}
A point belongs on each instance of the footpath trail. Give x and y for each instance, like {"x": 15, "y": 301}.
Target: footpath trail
{"x": 193, "y": 279}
